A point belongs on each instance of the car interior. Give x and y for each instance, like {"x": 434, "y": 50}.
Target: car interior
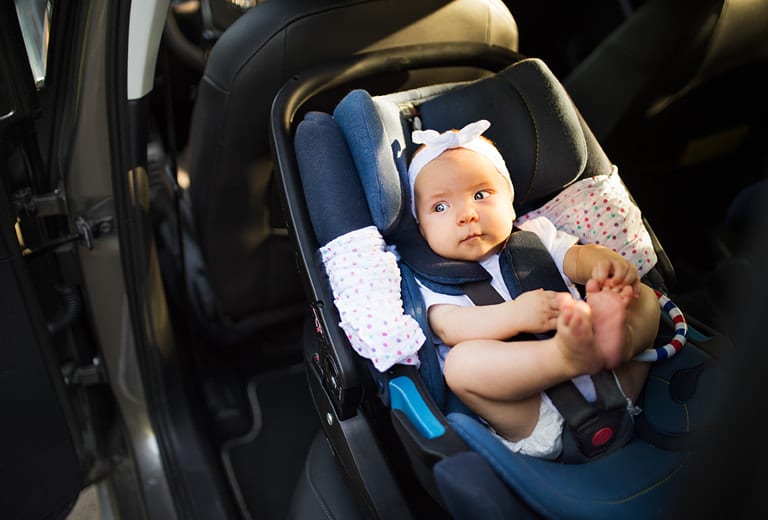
{"x": 642, "y": 90}
{"x": 267, "y": 412}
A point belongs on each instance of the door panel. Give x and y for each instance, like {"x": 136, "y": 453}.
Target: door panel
{"x": 40, "y": 471}
{"x": 39, "y": 468}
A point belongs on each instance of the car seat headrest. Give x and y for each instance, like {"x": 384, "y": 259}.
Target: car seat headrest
{"x": 533, "y": 123}
{"x": 375, "y": 135}
{"x": 320, "y": 147}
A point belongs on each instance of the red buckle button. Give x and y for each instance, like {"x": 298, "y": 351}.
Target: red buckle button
{"x": 602, "y": 436}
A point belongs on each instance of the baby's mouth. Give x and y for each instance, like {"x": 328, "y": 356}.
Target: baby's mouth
{"x": 470, "y": 237}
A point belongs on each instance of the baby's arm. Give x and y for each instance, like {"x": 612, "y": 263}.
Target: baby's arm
{"x": 532, "y": 311}
{"x": 583, "y": 262}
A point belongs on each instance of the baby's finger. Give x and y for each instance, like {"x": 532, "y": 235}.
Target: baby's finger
{"x": 563, "y": 299}
{"x": 625, "y": 274}
{"x": 601, "y": 271}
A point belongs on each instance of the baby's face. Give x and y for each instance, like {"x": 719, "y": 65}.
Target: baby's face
{"x": 464, "y": 205}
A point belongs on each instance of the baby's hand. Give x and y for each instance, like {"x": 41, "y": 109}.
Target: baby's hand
{"x": 537, "y": 311}
{"x": 617, "y": 274}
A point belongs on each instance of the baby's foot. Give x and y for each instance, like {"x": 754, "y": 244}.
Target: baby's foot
{"x": 575, "y": 336}
{"x": 609, "y": 321}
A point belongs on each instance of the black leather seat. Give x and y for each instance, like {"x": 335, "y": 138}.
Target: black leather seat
{"x": 661, "y": 53}
{"x": 249, "y": 259}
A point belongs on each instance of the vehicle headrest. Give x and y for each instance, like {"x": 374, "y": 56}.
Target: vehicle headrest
{"x": 533, "y": 123}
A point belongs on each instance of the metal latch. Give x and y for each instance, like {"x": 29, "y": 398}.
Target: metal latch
{"x": 87, "y": 231}
{"x": 86, "y": 375}
{"x": 54, "y": 203}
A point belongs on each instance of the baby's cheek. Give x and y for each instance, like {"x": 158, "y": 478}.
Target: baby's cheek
{"x": 421, "y": 229}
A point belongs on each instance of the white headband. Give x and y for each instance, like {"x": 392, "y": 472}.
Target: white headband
{"x": 435, "y": 143}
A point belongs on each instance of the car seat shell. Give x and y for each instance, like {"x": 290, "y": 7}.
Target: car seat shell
{"x": 660, "y": 467}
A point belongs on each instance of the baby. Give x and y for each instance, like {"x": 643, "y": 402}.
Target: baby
{"x": 462, "y": 201}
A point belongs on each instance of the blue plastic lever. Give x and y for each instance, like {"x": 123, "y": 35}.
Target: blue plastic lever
{"x": 405, "y": 397}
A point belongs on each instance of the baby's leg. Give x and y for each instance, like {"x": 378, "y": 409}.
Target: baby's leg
{"x": 487, "y": 376}
{"x": 609, "y": 321}
{"x": 501, "y": 381}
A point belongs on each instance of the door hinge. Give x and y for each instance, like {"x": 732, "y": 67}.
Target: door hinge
{"x": 99, "y": 220}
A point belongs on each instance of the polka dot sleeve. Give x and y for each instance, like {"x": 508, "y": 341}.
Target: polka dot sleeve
{"x": 365, "y": 281}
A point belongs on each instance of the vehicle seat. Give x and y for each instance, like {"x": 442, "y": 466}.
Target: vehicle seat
{"x": 234, "y": 208}
{"x": 545, "y": 153}
{"x": 661, "y": 52}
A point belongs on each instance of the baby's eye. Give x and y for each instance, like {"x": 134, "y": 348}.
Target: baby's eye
{"x": 482, "y": 194}
{"x": 440, "y": 207}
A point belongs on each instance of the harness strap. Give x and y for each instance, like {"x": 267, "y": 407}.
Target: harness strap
{"x": 531, "y": 266}
{"x": 482, "y": 291}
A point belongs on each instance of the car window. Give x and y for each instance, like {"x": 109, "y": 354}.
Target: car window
{"x": 34, "y": 19}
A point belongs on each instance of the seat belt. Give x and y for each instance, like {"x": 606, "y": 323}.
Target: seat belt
{"x": 593, "y": 428}
{"x": 482, "y": 293}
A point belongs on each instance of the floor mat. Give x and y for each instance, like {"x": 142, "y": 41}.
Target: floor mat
{"x": 264, "y": 464}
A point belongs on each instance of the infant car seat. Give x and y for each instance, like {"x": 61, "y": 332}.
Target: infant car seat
{"x": 351, "y": 169}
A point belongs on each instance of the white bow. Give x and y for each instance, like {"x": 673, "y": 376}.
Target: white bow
{"x": 444, "y": 141}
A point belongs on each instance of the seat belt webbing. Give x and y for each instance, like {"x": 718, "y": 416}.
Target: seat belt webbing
{"x": 482, "y": 293}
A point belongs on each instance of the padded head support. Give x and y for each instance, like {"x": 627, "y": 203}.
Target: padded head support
{"x": 533, "y": 123}
{"x": 321, "y": 148}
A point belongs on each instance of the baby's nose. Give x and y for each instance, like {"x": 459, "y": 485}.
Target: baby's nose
{"x": 468, "y": 213}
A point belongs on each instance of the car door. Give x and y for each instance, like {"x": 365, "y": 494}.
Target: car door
{"x": 40, "y": 467}
{"x": 90, "y": 390}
